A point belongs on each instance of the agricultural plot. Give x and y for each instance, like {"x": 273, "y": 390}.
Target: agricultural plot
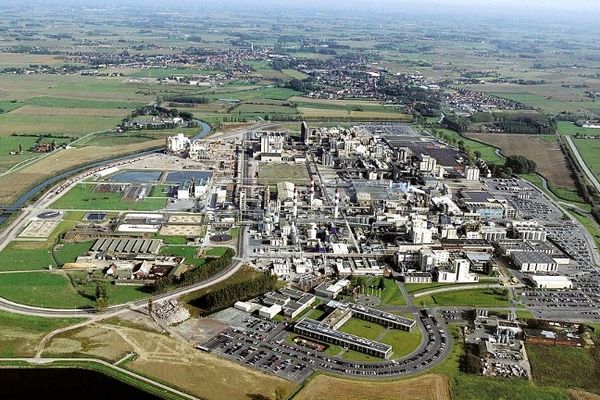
{"x": 19, "y": 256}
{"x": 10, "y": 144}
{"x": 84, "y": 197}
{"x": 426, "y": 387}
{"x": 590, "y": 151}
{"x": 570, "y": 129}
{"x": 550, "y": 160}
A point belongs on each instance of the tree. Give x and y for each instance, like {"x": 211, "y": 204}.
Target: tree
{"x": 477, "y": 154}
{"x": 381, "y": 284}
{"x": 520, "y": 164}
{"x": 101, "y": 296}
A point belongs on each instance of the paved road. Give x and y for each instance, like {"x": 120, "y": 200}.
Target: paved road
{"x": 42, "y": 361}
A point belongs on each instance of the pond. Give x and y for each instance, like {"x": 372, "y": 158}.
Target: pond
{"x": 65, "y": 384}
{"x": 131, "y": 176}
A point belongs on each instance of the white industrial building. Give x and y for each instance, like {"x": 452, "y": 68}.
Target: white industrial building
{"x": 551, "y": 282}
{"x": 456, "y": 272}
{"x": 177, "y": 144}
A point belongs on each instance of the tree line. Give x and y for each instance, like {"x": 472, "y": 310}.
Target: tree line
{"x": 228, "y": 295}
{"x": 196, "y": 275}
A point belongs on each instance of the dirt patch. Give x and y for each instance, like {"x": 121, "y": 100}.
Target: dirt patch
{"x": 550, "y": 160}
{"x": 426, "y": 387}
{"x": 170, "y": 360}
{"x": 95, "y": 341}
{"x": 581, "y": 395}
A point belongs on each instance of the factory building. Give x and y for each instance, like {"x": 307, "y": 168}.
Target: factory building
{"x": 319, "y": 331}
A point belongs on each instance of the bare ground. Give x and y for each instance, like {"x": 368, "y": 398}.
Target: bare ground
{"x": 426, "y": 387}
{"x": 550, "y": 160}
{"x": 169, "y": 360}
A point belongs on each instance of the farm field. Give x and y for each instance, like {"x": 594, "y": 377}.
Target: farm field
{"x": 83, "y": 197}
{"x": 11, "y": 143}
{"x": 590, "y": 151}
{"x": 425, "y": 387}
{"x": 570, "y": 129}
{"x": 466, "y": 297}
{"x": 551, "y": 162}
{"x": 23, "y": 256}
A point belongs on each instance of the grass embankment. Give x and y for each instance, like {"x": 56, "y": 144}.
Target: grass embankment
{"x": 467, "y": 297}
{"x": 19, "y": 334}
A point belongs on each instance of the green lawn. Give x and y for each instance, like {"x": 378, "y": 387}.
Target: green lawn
{"x": 184, "y": 251}
{"x": 365, "y": 329}
{"x": 161, "y": 190}
{"x": 467, "y": 297}
{"x": 83, "y": 197}
{"x": 403, "y": 343}
{"x": 54, "y": 290}
{"x": 70, "y": 251}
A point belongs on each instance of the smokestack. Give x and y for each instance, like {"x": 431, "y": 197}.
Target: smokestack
{"x": 336, "y": 210}
{"x": 295, "y": 209}
{"x": 312, "y": 190}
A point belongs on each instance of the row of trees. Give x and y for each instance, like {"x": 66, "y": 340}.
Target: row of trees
{"x": 239, "y": 291}
{"x": 196, "y": 275}
{"x": 187, "y": 99}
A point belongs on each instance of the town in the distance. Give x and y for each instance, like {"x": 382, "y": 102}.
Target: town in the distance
{"x": 258, "y": 208}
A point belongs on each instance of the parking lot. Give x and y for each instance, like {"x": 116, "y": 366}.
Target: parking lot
{"x": 262, "y": 344}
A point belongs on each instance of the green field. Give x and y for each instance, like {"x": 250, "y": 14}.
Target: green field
{"x": 18, "y": 256}
{"x": 184, "y": 251}
{"x": 70, "y": 251}
{"x": 54, "y": 290}
{"x": 467, "y": 297}
{"x": 216, "y": 251}
{"x": 11, "y": 143}
{"x": 566, "y": 367}
{"x": 8, "y": 106}
{"x": 83, "y": 197}
{"x": 590, "y": 151}
{"x": 488, "y": 153}
{"x": 570, "y": 129}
